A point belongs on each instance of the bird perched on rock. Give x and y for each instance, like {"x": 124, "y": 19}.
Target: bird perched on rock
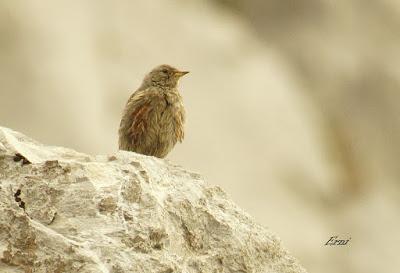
{"x": 153, "y": 118}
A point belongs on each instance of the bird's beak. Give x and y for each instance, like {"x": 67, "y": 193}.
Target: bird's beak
{"x": 181, "y": 73}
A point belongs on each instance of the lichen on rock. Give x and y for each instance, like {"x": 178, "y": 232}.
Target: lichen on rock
{"x": 63, "y": 211}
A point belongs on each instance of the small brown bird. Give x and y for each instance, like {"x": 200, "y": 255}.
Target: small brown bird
{"x": 153, "y": 118}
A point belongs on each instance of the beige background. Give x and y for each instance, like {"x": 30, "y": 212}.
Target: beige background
{"x": 293, "y": 106}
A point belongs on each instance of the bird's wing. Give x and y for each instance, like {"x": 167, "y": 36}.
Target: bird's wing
{"x": 139, "y": 121}
{"x": 136, "y": 118}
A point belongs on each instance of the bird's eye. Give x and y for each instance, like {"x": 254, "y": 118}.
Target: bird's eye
{"x": 165, "y": 71}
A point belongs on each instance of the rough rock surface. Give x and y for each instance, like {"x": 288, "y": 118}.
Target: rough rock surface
{"x": 63, "y": 211}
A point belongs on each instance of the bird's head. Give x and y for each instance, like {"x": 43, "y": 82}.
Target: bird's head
{"x": 163, "y": 76}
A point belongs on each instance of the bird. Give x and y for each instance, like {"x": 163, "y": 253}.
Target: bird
{"x": 153, "y": 119}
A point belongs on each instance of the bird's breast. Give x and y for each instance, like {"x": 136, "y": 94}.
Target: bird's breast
{"x": 169, "y": 118}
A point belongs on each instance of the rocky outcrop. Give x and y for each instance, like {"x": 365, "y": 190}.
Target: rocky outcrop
{"x": 63, "y": 211}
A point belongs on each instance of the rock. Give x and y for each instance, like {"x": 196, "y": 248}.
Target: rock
{"x": 63, "y": 211}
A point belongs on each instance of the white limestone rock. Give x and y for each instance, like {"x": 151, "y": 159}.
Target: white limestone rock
{"x": 63, "y": 211}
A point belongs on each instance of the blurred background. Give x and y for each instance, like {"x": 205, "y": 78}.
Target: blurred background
{"x": 292, "y": 106}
